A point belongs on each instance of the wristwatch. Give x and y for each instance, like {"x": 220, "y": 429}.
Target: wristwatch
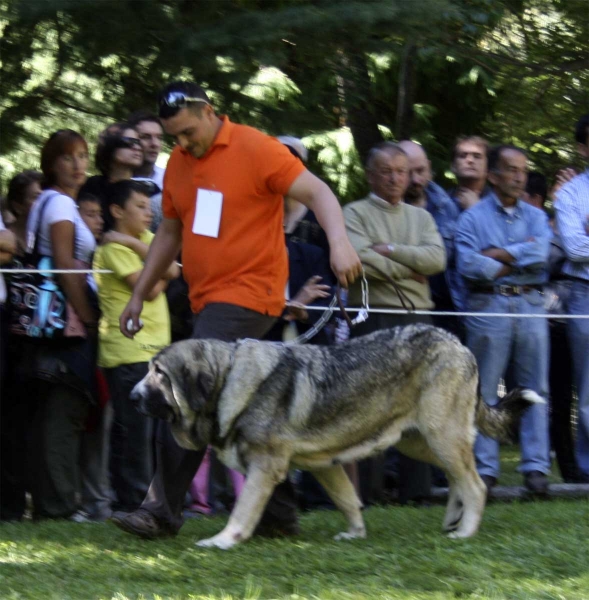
{"x": 390, "y": 248}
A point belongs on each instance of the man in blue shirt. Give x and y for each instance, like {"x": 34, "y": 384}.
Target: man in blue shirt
{"x": 423, "y": 192}
{"x": 572, "y": 216}
{"x": 502, "y": 247}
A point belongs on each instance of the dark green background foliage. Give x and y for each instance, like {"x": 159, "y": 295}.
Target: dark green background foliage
{"x": 512, "y": 70}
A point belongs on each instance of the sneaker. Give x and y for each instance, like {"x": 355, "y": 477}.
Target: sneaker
{"x": 142, "y": 523}
{"x": 536, "y": 482}
{"x": 80, "y": 517}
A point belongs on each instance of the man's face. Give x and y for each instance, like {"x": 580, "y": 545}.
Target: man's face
{"x": 91, "y": 213}
{"x": 194, "y": 132}
{"x": 420, "y": 176}
{"x": 388, "y": 176}
{"x": 470, "y": 162}
{"x": 511, "y": 176}
{"x": 151, "y": 135}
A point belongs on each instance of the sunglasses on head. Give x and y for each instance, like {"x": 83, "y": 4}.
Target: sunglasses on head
{"x": 179, "y": 100}
{"x": 130, "y": 142}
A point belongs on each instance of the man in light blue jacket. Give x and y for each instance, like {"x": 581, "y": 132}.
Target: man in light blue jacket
{"x": 502, "y": 247}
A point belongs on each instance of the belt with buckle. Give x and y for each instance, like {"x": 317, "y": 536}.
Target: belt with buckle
{"x": 507, "y": 290}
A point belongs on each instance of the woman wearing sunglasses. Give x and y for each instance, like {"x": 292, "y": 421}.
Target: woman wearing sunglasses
{"x": 118, "y": 155}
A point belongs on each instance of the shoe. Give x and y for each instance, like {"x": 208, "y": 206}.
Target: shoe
{"x": 489, "y": 481}
{"x": 80, "y": 517}
{"x": 536, "y": 482}
{"x": 141, "y": 523}
{"x": 277, "y": 529}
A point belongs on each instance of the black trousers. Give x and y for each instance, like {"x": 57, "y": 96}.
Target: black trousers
{"x": 561, "y": 401}
{"x": 175, "y": 466}
{"x": 413, "y": 476}
{"x": 131, "y": 459}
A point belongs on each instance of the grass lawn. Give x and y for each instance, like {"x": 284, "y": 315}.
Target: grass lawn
{"x": 532, "y": 550}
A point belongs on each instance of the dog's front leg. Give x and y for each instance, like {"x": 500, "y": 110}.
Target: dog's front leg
{"x": 258, "y": 488}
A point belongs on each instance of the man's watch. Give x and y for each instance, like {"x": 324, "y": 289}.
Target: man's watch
{"x": 390, "y": 248}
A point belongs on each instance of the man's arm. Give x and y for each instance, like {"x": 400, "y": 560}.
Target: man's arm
{"x": 7, "y": 245}
{"x": 471, "y": 263}
{"x": 572, "y": 226}
{"x": 426, "y": 258}
{"x": 316, "y": 195}
{"x": 163, "y": 251}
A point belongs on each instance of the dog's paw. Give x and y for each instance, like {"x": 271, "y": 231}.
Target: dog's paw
{"x": 351, "y": 535}
{"x": 224, "y": 542}
{"x": 460, "y": 535}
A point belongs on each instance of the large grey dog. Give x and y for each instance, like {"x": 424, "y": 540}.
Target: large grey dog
{"x": 268, "y": 407}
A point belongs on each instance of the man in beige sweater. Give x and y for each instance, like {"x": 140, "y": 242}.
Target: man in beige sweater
{"x": 395, "y": 241}
{"x": 398, "y": 244}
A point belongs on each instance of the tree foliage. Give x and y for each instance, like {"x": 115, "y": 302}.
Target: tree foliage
{"x": 344, "y": 73}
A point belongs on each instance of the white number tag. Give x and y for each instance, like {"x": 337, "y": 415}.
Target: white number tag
{"x": 207, "y": 216}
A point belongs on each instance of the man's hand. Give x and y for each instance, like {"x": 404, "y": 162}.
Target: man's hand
{"x": 562, "y": 177}
{"x": 466, "y": 198}
{"x": 311, "y": 291}
{"x": 345, "y": 262}
{"x": 296, "y": 311}
{"x": 499, "y": 254}
{"x": 418, "y": 277}
{"x": 129, "y": 322}
{"x": 382, "y": 249}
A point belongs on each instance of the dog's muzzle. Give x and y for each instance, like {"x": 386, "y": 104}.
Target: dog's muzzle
{"x": 151, "y": 402}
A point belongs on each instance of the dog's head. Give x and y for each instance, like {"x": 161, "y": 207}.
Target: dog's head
{"x": 182, "y": 387}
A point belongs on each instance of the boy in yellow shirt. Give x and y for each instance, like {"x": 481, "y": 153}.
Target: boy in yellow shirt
{"x": 125, "y": 360}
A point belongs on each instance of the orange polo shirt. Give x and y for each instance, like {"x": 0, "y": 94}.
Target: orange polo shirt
{"x": 247, "y": 263}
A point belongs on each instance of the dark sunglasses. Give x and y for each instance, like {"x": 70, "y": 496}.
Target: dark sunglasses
{"x": 130, "y": 142}
{"x": 179, "y": 100}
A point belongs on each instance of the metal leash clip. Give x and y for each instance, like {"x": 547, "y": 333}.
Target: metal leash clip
{"x": 362, "y": 312}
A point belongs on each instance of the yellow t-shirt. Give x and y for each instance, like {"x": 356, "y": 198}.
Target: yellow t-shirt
{"x": 114, "y": 292}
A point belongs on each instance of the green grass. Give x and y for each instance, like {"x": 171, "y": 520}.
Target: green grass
{"x": 531, "y": 550}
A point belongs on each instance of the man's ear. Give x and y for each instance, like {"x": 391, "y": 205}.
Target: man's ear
{"x": 116, "y": 211}
{"x": 492, "y": 177}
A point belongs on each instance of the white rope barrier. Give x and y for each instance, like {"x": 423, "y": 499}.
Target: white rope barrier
{"x": 383, "y": 311}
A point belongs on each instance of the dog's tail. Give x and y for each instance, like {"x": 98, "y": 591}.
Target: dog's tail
{"x": 498, "y": 421}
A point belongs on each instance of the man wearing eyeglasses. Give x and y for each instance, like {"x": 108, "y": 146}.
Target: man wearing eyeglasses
{"x": 223, "y": 207}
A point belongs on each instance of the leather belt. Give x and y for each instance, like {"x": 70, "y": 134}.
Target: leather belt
{"x": 507, "y": 290}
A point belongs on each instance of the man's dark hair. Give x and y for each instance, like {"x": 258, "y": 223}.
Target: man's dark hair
{"x": 17, "y": 188}
{"x": 582, "y": 130}
{"x": 120, "y": 191}
{"x": 192, "y": 90}
{"x": 141, "y": 116}
{"x": 386, "y": 147}
{"x": 495, "y": 155}
{"x": 88, "y": 197}
{"x": 473, "y": 139}
{"x": 106, "y": 150}
{"x": 537, "y": 185}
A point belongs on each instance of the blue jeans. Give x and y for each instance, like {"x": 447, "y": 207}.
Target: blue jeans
{"x": 578, "y": 330}
{"x": 521, "y": 345}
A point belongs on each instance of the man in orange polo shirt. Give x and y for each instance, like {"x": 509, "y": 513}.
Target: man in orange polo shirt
{"x": 223, "y": 207}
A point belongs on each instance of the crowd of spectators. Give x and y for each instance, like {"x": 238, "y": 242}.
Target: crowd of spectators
{"x": 502, "y": 241}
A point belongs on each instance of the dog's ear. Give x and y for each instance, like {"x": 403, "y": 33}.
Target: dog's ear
{"x": 253, "y": 362}
{"x": 199, "y": 388}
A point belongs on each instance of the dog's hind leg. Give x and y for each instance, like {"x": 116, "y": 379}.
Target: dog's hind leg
{"x": 260, "y": 482}
{"x": 466, "y": 487}
{"x": 339, "y": 488}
